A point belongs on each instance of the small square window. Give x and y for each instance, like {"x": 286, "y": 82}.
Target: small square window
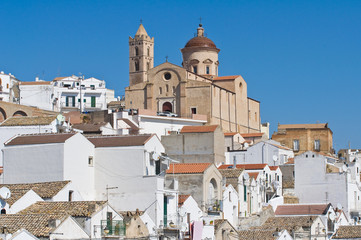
{"x": 90, "y": 161}
{"x": 194, "y": 110}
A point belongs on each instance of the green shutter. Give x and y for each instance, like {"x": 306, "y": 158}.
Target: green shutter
{"x": 93, "y": 101}
{"x": 73, "y": 97}
{"x": 67, "y": 101}
{"x": 245, "y": 193}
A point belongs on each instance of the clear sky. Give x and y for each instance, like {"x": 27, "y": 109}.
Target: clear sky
{"x": 301, "y": 59}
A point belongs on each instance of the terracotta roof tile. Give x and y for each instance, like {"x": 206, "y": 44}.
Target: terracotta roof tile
{"x": 59, "y": 78}
{"x": 273, "y": 168}
{"x": 89, "y": 127}
{"x": 184, "y": 168}
{"x": 348, "y": 232}
{"x": 244, "y": 166}
{"x": 44, "y": 189}
{"x": 253, "y": 175}
{"x": 74, "y": 209}
{"x": 248, "y": 135}
{"x": 39, "y": 139}
{"x": 281, "y": 147}
{"x": 256, "y": 234}
{"x": 291, "y": 161}
{"x": 182, "y": 199}
{"x": 36, "y": 224}
{"x": 231, "y": 176}
{"x": 199, "y": 129}
{"x": 226, "y": 78}
{"x": 302, "y": 209}
{"x": 288, "y": 223}
{"x": 303, "y": 126}
{"x": 28, "y": 121}
{"x": 230, "y": 133}
{"x": 119, "y": 141}
{"x": 35, "y": 83}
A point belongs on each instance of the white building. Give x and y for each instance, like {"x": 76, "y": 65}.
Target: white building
{"x": 51, "y": 157}
{"x": 25, "y": 125}
{"x": 65, "y": 94}
{"x": 130, "y": 174}
{"x": 147, "y": 122}
{"x": 328, "y": 183}
{"x": 230, "y": 205}
{"x": 266, "y": 152}
{"x": 9, "y": 90}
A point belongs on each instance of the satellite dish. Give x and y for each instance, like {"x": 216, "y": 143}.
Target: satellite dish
{"x": 332, "y": 216}
{"x": 245, "y": 176}
{"x": 275, "y": 158}
{"x": 60, "y": 118}
{"x": 344, "y": 168}
{"x": 155, "y": 156}
{"x": 339, "y": 206}
{"x": 5, "y": 193}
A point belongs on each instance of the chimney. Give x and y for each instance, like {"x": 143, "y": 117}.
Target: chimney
{"x": 36, "y": 79}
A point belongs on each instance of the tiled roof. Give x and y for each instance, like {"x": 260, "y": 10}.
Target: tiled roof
{"x": 59, "y": 78}
{"x": 281, "y": 147}
{"x": 288, "y": 223}
{"x": 36, "y": 224}
{"x": 256, "y": 234}
{"x": 348, "y": 232}
{"x": 35, "y": 83}
{"x": 218, "y": 223}
{"x": 244, "y": 166}
{"x": 39, "y": 139}
{"x": 120, "y": 141}
{"x": 182, "y": 199}
{"x": 89, "y": 127}
{"x": 231, "y": 176}
{"x": 184, "y": 168}
{"x": 226, "y": 78}
{"x": 230, "y": 133}
{"x": 303, "y": 126}
{"x": 253, "y": 175}
{"x": 273, "y": 168}
{"x": 28, "y": 121}
{"x": 248, "y": 135}
{"x": 74, "y": 209}
{"x": 199, "y": 129}
{"x": 291, "y": 161}
{"x": 302, "y": 209}
{"x": 44, "y": 189}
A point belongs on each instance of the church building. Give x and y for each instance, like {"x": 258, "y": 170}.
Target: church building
{"x": 192, "y": 89}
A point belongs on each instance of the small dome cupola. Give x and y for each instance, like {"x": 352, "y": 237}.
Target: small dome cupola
{"x": 200, "y": 54}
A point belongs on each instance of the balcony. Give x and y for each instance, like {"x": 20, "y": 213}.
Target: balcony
{"x": 69, "y": 106}
{"x": 112, "y": 228}
{"x": 214, "y": 207}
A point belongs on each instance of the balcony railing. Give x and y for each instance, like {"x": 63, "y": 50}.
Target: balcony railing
{"x": 92, "y": 106}
{"x": 69, "y": 105}
{"x": 112, "y": 228}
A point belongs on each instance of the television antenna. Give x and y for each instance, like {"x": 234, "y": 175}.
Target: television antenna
{"x": 5, "y": 193}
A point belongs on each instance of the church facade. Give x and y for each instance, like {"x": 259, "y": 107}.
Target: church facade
{"x": 191, "y": 89}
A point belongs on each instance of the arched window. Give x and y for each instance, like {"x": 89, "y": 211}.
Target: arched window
{"x": 136, "y": 51}
{"x": 166, "y": 88}
{"x": 212, "y": 191}
{"x": 136, "y": 66}
{"x": 195, "y": 69}
{"x": 160, "y": 90}
{"x": 3, "y": 211}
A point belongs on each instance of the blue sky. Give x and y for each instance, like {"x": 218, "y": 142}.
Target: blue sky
{"x": 301, "y": 59}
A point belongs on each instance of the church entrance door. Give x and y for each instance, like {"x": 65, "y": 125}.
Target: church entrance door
{"x": 167, "y": 107}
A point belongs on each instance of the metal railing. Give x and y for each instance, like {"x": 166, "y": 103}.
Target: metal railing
{"x": 112, "y": 228}
{"x": 96, "y": 105}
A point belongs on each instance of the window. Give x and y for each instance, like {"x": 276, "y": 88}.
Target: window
{"x": 70, "y": 101}
{"x": 93, "y": 101}
{"x": 160, "y": 90}
{"x": 195, "y": 69}
{"x": 194, "y": 110}
{"x": 229, "y": 196}
{"x": 136, "y": 66}
{"x": 7, "y": 85}
{"x": 166, "y": 88}
{"x": 296, "y": 145}
{"x": 245, "y": 193}
{"x": 255, "y": 116}
{"x": 92, "y": 87}
{"x": 148, "y": 52}
{"x": 317, "y": 145}
{"x": 167, "y": 76}
{"x": 90, "y": 161}
{"x": 136, "y": 51}
{"x": 70, "y": 196}
{"x": 3, "y": 211}
{"x": 148, "y": 65}
{"x": 207, "y": 70}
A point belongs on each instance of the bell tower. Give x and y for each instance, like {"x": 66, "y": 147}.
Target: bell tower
{"x": 141, "y": 56}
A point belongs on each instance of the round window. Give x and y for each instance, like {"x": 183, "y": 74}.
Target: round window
{"x": 167, "y": 76}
